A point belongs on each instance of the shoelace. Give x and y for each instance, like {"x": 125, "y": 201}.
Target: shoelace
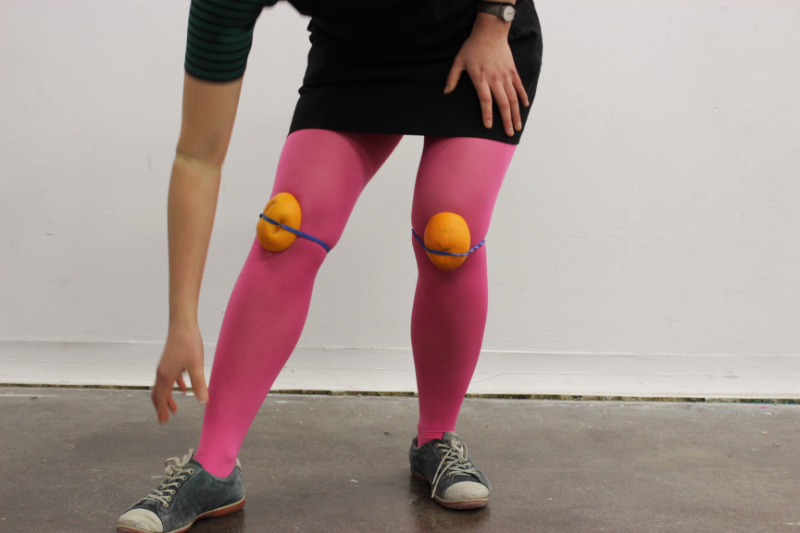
{"x": 174, "y": 476}
{"x": 454, "y": 462}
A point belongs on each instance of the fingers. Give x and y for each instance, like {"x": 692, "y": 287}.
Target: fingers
{"x": 172, "y": 405}
{"x": 507, "y": 104}
{"x": 197, "y": 375}
{"x": 503, "y": 92}
{"x": 162, "y": 392}
{"x": 181, "y": 383}
{"x": 162, "y": 397}
{"x": 454, "y": 76}
{"x": 485, "y": 97}
{"x": 523, "y": 94}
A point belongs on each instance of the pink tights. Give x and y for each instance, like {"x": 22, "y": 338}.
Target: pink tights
{"x": 326, "y": 171}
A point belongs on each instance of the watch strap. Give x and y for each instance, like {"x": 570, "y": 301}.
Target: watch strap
{"x": 495, "y": 8}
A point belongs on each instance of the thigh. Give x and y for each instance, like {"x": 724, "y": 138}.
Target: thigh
{"x": 461, "y": 175}
{"x": 326, "y": 171}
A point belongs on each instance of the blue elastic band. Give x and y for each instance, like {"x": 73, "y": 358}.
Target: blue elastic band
{"x": 296, "y": 232}
{"x": 439, "y": 252}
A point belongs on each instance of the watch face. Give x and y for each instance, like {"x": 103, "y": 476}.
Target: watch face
{"x": 508, "y": 13}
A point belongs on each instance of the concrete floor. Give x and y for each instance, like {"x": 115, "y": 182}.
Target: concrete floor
{"x": 72, "y": 460}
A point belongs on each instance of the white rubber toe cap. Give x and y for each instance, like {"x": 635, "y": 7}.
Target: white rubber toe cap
{"x": 466, "y": 490}
{"x": 141, "y": 520}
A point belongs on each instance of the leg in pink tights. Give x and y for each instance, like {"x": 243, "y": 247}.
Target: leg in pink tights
{"x": 326, "y": 171}
{"x": 461, "y": 175}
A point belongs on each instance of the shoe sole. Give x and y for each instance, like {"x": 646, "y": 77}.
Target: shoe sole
{"x": 455, "y": 504}
{"x": 221, "y": 511}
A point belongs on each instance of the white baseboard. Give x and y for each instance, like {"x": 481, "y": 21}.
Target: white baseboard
{"x": 390, "y": 369}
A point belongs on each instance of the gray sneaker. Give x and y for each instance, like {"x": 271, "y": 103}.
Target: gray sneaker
{"x": 456, "y": 480}
{"x": 187, "y": 493}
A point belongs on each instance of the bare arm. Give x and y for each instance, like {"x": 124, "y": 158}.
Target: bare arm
{"x": 209, "y": 110}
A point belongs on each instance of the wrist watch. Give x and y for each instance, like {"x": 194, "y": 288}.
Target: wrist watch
{"x": 504, "y": 10}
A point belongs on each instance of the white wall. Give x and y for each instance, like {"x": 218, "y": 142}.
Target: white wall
{"x": 645, "y": 241}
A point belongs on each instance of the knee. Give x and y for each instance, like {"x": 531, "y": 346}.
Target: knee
{"x": 447, "y": 240}
{"x": 279, "y": 225}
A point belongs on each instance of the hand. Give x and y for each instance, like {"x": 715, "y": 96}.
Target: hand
{"x": 182, "y": 352}
{"x": 487, "y": 58}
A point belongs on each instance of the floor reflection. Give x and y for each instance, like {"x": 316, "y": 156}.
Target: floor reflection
{"x": 430, "y": 517}
{"x": 233, "y": 523}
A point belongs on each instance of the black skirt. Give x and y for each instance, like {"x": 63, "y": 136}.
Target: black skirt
{"x": 381, "y": 67}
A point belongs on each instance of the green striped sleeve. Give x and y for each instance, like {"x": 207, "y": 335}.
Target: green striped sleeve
{"x": 219, "y": 37}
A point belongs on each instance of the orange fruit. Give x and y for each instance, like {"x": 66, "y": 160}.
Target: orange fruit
{"x": 283, "y": 208}
{"x": 447, "y": 232}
